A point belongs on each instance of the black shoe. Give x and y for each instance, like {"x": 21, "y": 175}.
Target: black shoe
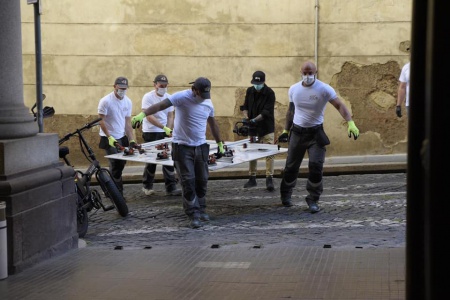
{"x": 204, "y": 217}
{"x": 269, "y": 184}
{"x": 251, "y": 182}
{"x": 313, "y": 206}
{"x": 195, "y": 222}
{"x": 174, "y": 192}
{"x": 286, "y": 202}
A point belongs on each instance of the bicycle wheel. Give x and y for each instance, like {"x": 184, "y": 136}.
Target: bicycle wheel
{"x": 82, "y": 220}
{"x": 112, "y": 192}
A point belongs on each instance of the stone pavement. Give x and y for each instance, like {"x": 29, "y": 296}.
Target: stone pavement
{"x": 357, "y": 211}
{"x": 253, "y": 247}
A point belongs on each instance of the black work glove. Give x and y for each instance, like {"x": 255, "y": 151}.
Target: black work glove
{"x": 246, "y": 122}
{"x": 398, "y": 111}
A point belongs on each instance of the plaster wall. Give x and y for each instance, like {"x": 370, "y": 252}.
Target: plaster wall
{"x": 360, "y": 51}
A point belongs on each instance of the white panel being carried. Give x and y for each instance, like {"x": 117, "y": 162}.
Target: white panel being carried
{"x": 238, "y": 152}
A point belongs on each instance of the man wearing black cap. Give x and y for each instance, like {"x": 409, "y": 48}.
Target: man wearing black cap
{"x": 115, "y": 126}
{"x": 190, "y": 151}
{"x": 258, "y": 109}
{"x": 156, "y": 127}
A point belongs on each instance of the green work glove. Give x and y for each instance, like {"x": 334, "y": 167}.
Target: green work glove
{"x": 167, "y": 130}
{"x": 220, "y": 147}
{"x": 220, "y": 150}
{"x": 352, "y": 129}
{"x": 133, "y": 144}
{"x": 112, "y": 141}
{"x": 283, "y": 138}
{"x": 136, "y": 121}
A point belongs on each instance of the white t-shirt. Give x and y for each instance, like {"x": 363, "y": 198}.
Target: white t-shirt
{"x": 115, "y": 111}
{"x": 310, "y": 102}
{"x": 404, "y": 77}
{"x": 148, "y": 100}
{"x": 191, "y": 120}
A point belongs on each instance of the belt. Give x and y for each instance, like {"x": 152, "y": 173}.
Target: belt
{"x": 300, "y": 129}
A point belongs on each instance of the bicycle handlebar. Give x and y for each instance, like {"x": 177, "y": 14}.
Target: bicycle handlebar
{"x": 86, "y": 126}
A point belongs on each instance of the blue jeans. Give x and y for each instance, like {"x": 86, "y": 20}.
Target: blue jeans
{"x": 192, "y": 168}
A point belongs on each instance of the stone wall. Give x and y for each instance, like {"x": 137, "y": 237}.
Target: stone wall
{"x": 359, "y": 50}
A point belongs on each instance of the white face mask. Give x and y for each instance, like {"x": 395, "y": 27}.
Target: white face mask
{"x": 121, "y": 93}
{"x": 308, "y": 79}
{"x": 161, "y": 91}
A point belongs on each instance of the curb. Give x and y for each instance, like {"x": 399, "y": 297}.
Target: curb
{"x": 342, "y": 165}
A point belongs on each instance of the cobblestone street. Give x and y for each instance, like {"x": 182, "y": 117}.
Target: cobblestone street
{"x": 357, "y": 211}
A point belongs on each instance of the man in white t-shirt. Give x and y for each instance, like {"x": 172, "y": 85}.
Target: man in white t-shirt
{"x": 403, "y": 91}
{"x": 115, "y": 126}
{"x": 156, "y": 127}
{"x": 190, "y": 150}
{"x": 304, "y": 119}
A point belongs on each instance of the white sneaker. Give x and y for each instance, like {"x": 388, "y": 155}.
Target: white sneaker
{"x": 148, "y": 192}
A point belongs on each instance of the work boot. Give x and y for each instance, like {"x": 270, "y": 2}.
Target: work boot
{"x": 195, "y": 221}
{"x": 251, "y": 182}
{"x": 269, "y": 184}
{"x": 287, "y": 202}
{"x": 313, "y": 206}
{"x": 204, "y": 217}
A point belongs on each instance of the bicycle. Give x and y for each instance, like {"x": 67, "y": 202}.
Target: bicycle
{"x": 89, "y": 198}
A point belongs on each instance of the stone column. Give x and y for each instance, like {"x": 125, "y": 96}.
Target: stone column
{"x": 15, "y": 118}
{"x": 39, "y": 190}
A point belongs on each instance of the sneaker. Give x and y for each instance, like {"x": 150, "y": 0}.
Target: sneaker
{"x": 313, "y": 206}
{"x": 175, "y": 192}
{"x": 251, "y": 182}
{"x": 195, "y": 222}
{"x": 148, "y": 192}
{"x": 286, "y": 202}
{"x": 204, "y": 217}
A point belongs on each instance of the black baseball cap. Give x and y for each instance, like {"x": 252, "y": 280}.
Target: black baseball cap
{"x": 122, "y": 82}
{"x": 161, "y": 78}
{"x": 258, "y": 77}
{"x": 204, "y": 86}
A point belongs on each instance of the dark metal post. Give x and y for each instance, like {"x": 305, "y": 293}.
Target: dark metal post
{"x": 38, "y": 55}
{"x": 428, "y": 225}
{"x": 415, "y": 210}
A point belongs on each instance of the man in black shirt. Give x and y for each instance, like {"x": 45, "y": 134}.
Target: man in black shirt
{"x": 259, "y": 108}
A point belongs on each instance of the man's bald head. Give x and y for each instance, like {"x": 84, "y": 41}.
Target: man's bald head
{"x": 308, "y": 68}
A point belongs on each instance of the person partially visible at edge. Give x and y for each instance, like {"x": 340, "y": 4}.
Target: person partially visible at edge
{"x": 258, "y": 109}
{"x": 304, "y": 132}
{"x": 403, "y": 90}
{"x": 156, "y": 127}
{"x": 115, "y": 126}
{"x": 190, "y": 150}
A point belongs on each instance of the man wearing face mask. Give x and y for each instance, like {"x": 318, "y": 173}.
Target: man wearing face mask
{"x": 190, "y": 150}
{"x": 157, "y": 127}
{"x": 258, "y": 109}
{"x": 115, "y": 126}
{"x": 304, "y": 120}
